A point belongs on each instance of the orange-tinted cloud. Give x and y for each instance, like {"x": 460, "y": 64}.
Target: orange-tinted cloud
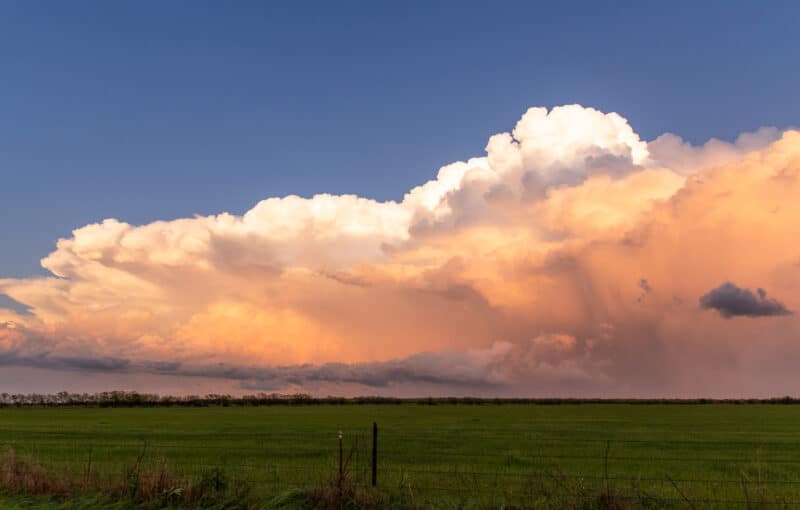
{"x": 571, "y": 259}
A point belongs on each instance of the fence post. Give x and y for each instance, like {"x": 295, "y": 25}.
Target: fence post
{"x": 605, "y": 473}
{"x": 341, "y": 467}
{"x": 374, "y": 454}
{"x": 340, "y": 480}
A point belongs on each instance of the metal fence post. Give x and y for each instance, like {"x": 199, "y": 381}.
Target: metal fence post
{"x": 340, "y": 480}
{"x": 374, "y": 454}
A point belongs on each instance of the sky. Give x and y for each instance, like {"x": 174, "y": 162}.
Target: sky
{"x": 577, "y": 199}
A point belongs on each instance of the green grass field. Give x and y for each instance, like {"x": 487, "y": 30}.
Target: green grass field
{"x": 444, "y": 456}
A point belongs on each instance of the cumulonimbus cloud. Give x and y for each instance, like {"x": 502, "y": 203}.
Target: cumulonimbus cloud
{"x": 566, "y": 260}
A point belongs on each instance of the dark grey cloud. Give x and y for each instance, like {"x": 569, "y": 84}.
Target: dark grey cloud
{"x": 732, "y": 301}
{"x": 448, "y": 368}
{"x": 547, "y": 361}
{"x": 76, "y": 363}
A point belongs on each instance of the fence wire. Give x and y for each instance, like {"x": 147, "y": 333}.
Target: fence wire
{"x": 496, "y": 467}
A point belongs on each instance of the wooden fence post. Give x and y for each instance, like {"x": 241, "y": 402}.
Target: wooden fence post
{"x": 341, "y": 465}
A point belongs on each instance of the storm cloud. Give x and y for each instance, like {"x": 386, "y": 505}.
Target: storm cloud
{"x": 732, "y": 301}
{"x": 498, "y": 368}
{"x": 566, "y": 260}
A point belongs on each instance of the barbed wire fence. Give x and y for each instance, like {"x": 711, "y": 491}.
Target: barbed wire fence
{"x": 429, "y": 467}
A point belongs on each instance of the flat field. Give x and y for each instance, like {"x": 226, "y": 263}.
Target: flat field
{"x": 701, "y": 456}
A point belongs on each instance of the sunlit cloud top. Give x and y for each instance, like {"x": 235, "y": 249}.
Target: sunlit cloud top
{"x": 571, "y": 258}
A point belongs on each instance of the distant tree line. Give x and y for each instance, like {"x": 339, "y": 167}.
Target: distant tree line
{"x": 136, "y": 399}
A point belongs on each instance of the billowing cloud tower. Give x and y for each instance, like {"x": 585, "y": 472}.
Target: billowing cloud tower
{"x": 573, "y": 258}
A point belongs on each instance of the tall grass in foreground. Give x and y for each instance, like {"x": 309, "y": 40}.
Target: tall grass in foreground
{"x": 160, "y": 488}
{"x": 140, "y": 487}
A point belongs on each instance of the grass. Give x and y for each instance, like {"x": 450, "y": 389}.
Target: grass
{"x": 435, "y": 456}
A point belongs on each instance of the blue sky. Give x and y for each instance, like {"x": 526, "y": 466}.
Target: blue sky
{"x": 154, "y": 110}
